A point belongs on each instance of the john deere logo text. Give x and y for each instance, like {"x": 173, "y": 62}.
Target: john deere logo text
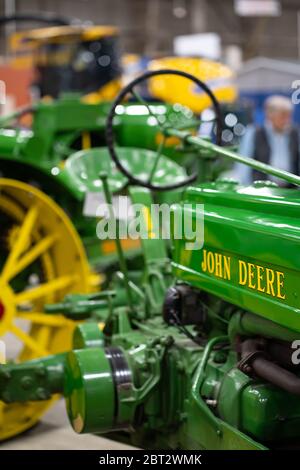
{"x": 253, "y": 276}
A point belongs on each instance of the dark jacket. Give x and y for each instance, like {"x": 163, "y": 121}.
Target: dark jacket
{"x": 262, "y": 151}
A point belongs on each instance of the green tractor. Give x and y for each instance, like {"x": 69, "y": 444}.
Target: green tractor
{"x": 198, "y": 349}
{"x": 43, "y": 255}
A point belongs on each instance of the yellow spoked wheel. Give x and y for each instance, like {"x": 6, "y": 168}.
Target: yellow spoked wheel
{"x": 41, "y": 260}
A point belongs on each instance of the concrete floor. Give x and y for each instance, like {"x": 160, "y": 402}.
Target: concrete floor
{"x": 55, "y": 433}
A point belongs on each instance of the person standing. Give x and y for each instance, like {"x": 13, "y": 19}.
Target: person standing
{"x": 276, "y": 143}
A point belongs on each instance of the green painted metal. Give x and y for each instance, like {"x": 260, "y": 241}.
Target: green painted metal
{"x": 84, "y": 167}
{"x": 51, "y": 155}
{"x": 154, "y": 248}
{"x": 80, "y": 306}
{"x": 122, "y": 261}
{"x": 156, "y": 372}
{"x": 247, "y": 324}
{"x": 252, "y": 222}
{"x": 88, "y": 335}
{"x": 212, "y": 149}
{"x": 199, "y": 380}
{"x": 33, "y": 380}
{"x": 88, "y": 382}
{"x": 258, "y": 409}
{"x": 163, "y": 366}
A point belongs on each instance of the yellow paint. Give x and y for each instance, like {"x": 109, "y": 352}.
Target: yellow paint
{"x": 105, "y": 93}
{"x": 242, "y": 273}
{"x": 260, "y": 270}
{"x": 168, "y": 141}
{"x": 270, "y": 282}
{"x": 21, "y": 244}
{"x": 86, "y": 140}
{"x": 216, "y": 264}
{"x": 25, "y": 44}
{"x": 280, "y": 284}
{"x": 253, "y": 276}
{"x": 42, "y": 234}
{"x": 61, "y": 34}
{"x": 174, "y": 89}
{"x": 219, "y": 270}
{"x": 95, "y": 281}
{"x": 251, "y": 273}
{"x": 97, "y": 32}
{"x": 227, "y": 260}
{"x": 109, "y": 246}
{"x": 148, "y": 222}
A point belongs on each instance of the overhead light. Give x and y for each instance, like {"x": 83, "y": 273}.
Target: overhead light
{"x": 179, "y": 9}
{"x": 257, "y": 7}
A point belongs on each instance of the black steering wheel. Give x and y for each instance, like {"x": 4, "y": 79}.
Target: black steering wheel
{"x": 129, "y": 89}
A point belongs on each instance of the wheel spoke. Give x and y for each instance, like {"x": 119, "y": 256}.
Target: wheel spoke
{"x": 28, "y": 340}
{"x": 45, "y": 289}
{"x": 45, "y": 319}
{"x": 37, "y": 271}
{"x": 21, "y": 243}
{"x": 8, "y": 206}
{"x": 33, "y": 254}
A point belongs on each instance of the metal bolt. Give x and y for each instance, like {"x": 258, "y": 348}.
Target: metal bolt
{"x": 220, "y": 357}
{"x": 26, "y": 382}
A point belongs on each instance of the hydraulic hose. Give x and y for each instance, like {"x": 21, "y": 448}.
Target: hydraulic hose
{"x": 254, "y": 359}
